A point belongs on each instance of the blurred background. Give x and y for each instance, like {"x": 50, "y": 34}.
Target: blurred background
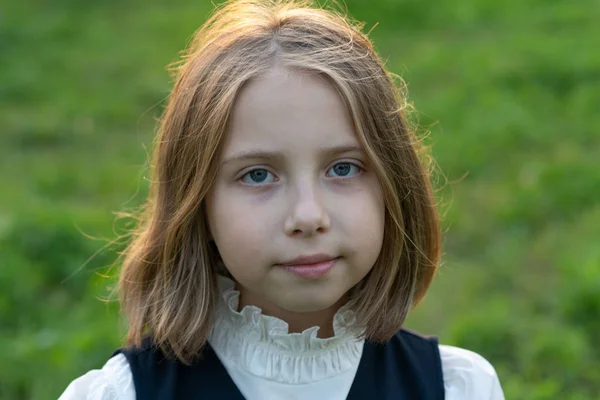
{"x": 509, "y": 92}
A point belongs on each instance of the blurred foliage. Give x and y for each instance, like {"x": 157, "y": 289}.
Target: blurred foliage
{"x": 509, "y": 91}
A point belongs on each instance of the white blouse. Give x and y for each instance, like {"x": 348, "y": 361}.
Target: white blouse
{"x": 266, "y": 362}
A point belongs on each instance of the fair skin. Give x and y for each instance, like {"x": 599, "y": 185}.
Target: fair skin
{"x": 294, "y": 181}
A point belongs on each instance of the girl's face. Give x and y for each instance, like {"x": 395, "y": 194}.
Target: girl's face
{"x": 294, "y": 187}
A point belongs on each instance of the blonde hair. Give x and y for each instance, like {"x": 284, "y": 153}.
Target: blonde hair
{"x": 168, "y": 282}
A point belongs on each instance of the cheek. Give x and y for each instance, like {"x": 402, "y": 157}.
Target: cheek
{"x": 366, "y": 209}
{"x": 365, "y": 221}
{"x": 238, "y": 228}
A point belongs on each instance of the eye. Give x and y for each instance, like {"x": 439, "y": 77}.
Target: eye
{"x": 257, "y": 176}
{"x": 343, "y": 170}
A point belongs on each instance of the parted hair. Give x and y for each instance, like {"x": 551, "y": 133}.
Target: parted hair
{"x": 168, "y": 286}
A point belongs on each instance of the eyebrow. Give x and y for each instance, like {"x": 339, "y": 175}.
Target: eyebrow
{"x": 274, "y": 155}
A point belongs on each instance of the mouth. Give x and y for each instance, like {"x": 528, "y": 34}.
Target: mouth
{"x": 308, "y": 260}
{"x": 310, "y": 267}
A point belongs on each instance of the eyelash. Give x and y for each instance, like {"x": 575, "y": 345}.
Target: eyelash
{"x": 352, "y": 164}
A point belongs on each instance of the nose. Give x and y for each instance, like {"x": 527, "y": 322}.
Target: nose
{"x": 308, "y": 215}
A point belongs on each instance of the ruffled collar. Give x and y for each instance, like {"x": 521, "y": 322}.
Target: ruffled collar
{"x": 263, "y": 346}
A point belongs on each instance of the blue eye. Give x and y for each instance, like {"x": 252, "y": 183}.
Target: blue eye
{"x": 258, "y": 176}
{"x": 344, "y": 169}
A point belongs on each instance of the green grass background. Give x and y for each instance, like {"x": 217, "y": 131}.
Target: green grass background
{"x": 509, "y": 90}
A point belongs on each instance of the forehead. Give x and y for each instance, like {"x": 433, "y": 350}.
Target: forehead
{"x": 289, "y": 109}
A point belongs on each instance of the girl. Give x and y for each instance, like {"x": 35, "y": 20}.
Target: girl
{"x": 290, "y": 228}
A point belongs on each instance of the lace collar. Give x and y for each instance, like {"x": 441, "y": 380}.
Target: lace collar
{"x": 262, "y": 345}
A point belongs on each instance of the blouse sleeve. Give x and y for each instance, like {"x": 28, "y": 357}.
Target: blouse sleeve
{"x": 468, "y": 376}
{"x": 113, "y": 382}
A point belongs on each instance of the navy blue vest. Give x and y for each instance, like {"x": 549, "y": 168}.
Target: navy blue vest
{"x": 407, "y": 367}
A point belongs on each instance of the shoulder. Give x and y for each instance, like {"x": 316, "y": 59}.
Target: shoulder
{"x": 467, "y": 375}
{"x": 113, "y": 382}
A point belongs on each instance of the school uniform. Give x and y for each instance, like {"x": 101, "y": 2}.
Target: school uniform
{"x": 252, "y": 356}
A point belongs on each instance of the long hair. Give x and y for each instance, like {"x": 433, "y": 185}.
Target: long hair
{"x": 168, "y": 282}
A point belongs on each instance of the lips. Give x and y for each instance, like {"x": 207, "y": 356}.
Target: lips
{"x": 310, "y": 267}
{"x": 308, "y": 260}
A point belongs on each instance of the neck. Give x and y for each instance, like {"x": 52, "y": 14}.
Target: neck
{"x": 297, "y": 321}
